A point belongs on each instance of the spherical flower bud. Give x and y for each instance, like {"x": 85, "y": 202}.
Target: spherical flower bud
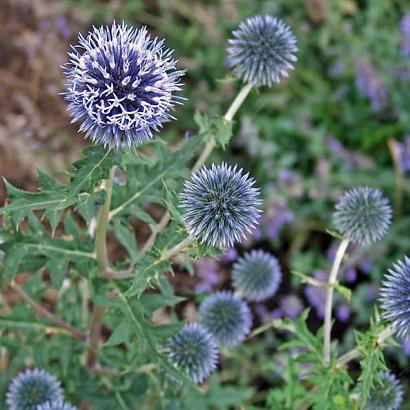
{"x": 193, "y": 351}
{"x": 56, "y": 405}
{"x": 31, "y": 388}
{"x": 226, "y": 317}
{"x": 262, "y": 50}
{"x": 121, "y": 85}
{"x": 362, "y": 215}
{"x": 386, "y": 396}
{"x": 221, "y": 205}
{"x": 257, "y": 275}
{"x": 395, "y": 297}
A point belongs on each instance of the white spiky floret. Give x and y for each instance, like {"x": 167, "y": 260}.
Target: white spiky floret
{"x": 121, "y": 85}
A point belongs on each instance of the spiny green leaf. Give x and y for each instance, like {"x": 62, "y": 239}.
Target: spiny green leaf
{"x": 121, "y": 334}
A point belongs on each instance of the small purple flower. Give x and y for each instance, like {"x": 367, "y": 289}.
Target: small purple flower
{"x": 343, "y": 312}
{"x": 370, "y": 85}
{"x": 62, "y": 26}
{"x": 208, "y": 271}
{"x": 291, "y": 306}
{"x": 274, "y": 220}
{"x": 405, "y": 39}
{"x": 402, "y": 154}
{"x": 406, "y": 347}
{"x": 229, "y": 256}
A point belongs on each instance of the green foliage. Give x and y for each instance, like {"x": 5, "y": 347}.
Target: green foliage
{"x": 329, "y": 385}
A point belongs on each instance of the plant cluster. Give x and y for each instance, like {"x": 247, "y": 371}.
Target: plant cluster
{"x": 119, "y": 320}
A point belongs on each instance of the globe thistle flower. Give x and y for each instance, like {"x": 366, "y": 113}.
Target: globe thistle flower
{"x": 362, "y": 215}
{"x": 226, "y": 317}
{"x": 120, "y": 85}
{"x": 395, "y": 297}
{"x": 221, "y": 205}
{"x": 386, "y": 396}
{"x": 262, "y": 50}
{"x": 55, "y": 405}
{"x": 193, "y": 351}
{"x": 257, "y": 275}
{"x": 31, "y": 388}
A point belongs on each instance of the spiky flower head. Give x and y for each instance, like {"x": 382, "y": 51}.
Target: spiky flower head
{"x": 262, "y": 50}
{"x": 56, "y": 405}
{"x": 257, "y": 275}
{"x": 221, "y": 205}
{"x": 395, "y": 297}
{"x": 121, "y": 85}
{"x": 226, "y": 317}
{"x": 386, "y": 396}
{"x": 31, "y": 388}
{"x": 193, "y": 351}
{"x": 362, "y": 215}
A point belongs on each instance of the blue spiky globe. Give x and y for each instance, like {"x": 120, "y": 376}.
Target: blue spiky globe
{"x": 193, "y": 351}
{"x": 395, "y": 297}
{"x": 221, "y": 205}
{"x": 362, "y": 215}
{"x": 226, "y": 317}
{"x": 56, "y": 405}
{"x": 262, "y": 50}
{"x": 121, "y": 85}
{"x": 257, "y": 275}
{"x": 31, "y": 388}
{"x": 386, "y": 396}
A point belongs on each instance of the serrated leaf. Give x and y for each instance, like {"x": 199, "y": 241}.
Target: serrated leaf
{"x": 121, "y": 334}
{"x": 126, "y": 236}
{"x": 86, "y": 173}
{"x": 58, "y": 267}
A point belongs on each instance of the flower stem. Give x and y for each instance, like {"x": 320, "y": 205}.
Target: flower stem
{"x": 329, "y": 300}
{"x": 237, "y": 102}
{"x": 210, "y": 145}
{"x": 103, "y": 264}
{"x": 167, "y": 254}
{"x": 75, "y": 332}
{"x": 355, "y": 353}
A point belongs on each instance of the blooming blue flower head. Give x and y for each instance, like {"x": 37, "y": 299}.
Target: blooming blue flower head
{"x": 386, "y": 396}
{"x": 121, "y": 85}
{"x": 362, "y": 215}
{"x": 257, "y": 275}
{"x": 221, "y": 205}
{"x": 262, "y": 50}
{"x": 193, "y": 351}
{"x": 395, "y": 297}
{"x": 226, "y": 317}
{"x": 31, "y": 388}
{"x": 55, "y": 405}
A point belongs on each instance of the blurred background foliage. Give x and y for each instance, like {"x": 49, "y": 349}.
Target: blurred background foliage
{"x": 342, "y": 119}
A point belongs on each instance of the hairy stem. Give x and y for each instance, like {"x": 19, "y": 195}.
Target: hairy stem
{"x": 168, "y": 254}
{"x": 41, "y": 310}
{"x": 210, "y": 145}
{"x": 103, "y": 265}
{"x": 329, "y": 300}
{"x": 355, "y": 353}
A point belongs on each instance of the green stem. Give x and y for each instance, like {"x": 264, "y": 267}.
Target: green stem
{"x": 237, "y": 102}
{"x": 210, "y": 145}
{"x": 165, "y": 255}
{"x": 329, "y": 300}
{"x": 103, "y": 265}
{"x": 355, "y": 353}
